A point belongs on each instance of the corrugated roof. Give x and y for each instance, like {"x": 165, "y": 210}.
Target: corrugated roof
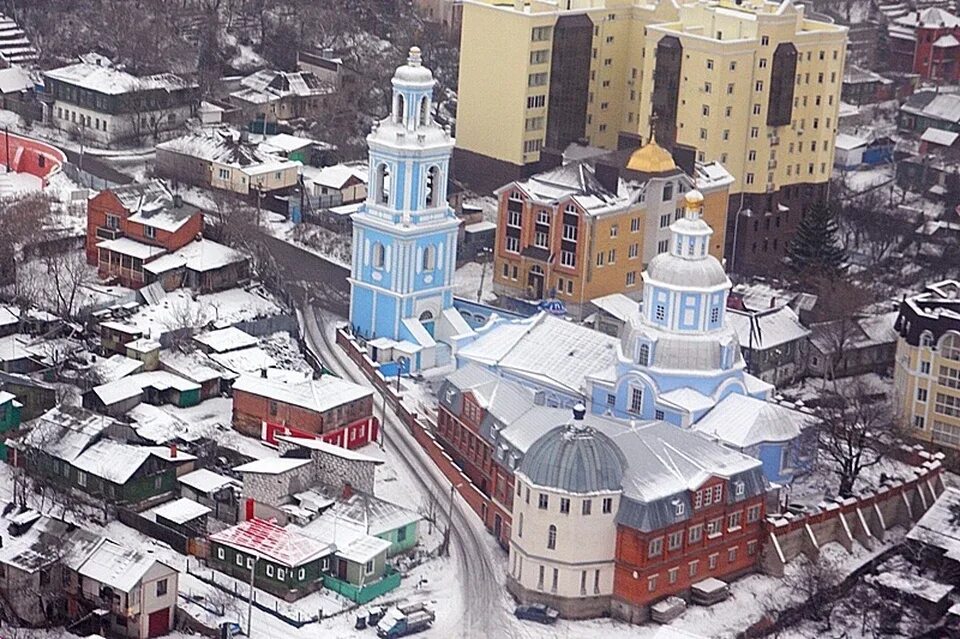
{"x": 270, "y": 541}
{"x": 319, "y": 395}
{"x": 575, "y": 458}
{"x": 741, "y": 421}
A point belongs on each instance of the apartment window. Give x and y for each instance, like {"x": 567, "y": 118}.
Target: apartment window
{"x": 607, "y": 505}
{"x": 756, "y": 109}
{"x": 947, "y": 405}
{"x": 668, "y": 191}
{"x": 534, "y": 124}
{"x": 541, "y": 34}
{"x": 513, "y": 244}
{"x": 604, "y": 106}
{"x": 921, "y": 394}
{"x": 734, "y": 520}
{"x": 672, "y": 575}
{"x": 631, "y": 278}
{"x": 636, "y": 400}
{"x": 655, "y": 547}
{"x": 665, "y": 221}
{"x": 733, "y": 66}
{"x": 224, "y": 174}
{"x": 607, "y": 62}
{"x": 543, "y": 501}
{"x": 634, "y": 251}
{"x": 532, "y": 146}
{"x": 540, "y": 239}
{"x": 536, "y": 101}
{"x": 552, "y": 537}
{"x": 614, "y": 230}
{"x": 695, "y": 534}
{"x": 918, "y": 422}
{"x": 754, "y": 132}
{"x": 269, "y": 570}
{"x": 703, "y": 134}
{"x": 749, "y": 178}
{"x": 539, "y": 56}
{"x": 707, "y": 88}
{"x": 568, "y": 258}
{"x": 753, "y": 514}
{"x": 731, "y": 555}
{"x": 705, "y": 110}
{"x": 520, "y": 524}
{"x": 764, "y": 40}
{"x": 763, "y": 63}
{"x": 675, "y": 540}
{"x": 537, "y": 79}
{"x": 692, "y": 567}
{"x": 723, "y": 158}
{"x": 752, "y": 547}
{"x": 600, "y": 256}
{"x": 663, "y": 246}
{"x": 946, "y": 376}
{"x": 717, "y": 493}
{"x": 564, "y": 506}
{"x": 161, "y": 587}
{"x": 820, "y": 78}
{"x": 709, "y": 64}
{"x": 609, "y": 39}
{"x": 652, "y": 583}
{"x": 585, "y": 506}
{"x": 758, "y": 86}
{"x": 714, "y": 527}
{"x": 751, "y": 156}
{"x": 149, "y": 231}
{"x": 712, "y": 560}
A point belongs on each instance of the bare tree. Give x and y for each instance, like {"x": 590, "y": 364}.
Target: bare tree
{"x": 186, "y": 316}
{"x": 855, "y": 431}
{"x": 68, "y": 275}
{"x": 839, "y": 302}
{"x": 816, "y": 579}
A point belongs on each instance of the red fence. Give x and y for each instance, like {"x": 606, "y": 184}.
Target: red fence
{"x": 31, "y": 156}
{"x": 420, "y": 431}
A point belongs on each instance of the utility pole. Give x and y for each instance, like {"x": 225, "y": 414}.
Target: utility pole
{"x": 253, "y": 569}
{"x": 446, "y": 533}
{"x": 383, "y": 417}
{"x": 6, "y": 137}
{"x": 485, "y": 256}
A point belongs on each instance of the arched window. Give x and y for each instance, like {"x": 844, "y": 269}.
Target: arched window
{"x": 926, "y": 338}
{"x": 424, "y": 110}
{"x": 643, "y": 358}
{"x": 429, "y": 258}
{"x": 950, "y": 346}
{"x": 379, "y": 255}
{"x": 433, "y": 186}
{"x": 383, "y": 184}
{"x": 426, "y": 316}
{"x": 551, "y": 537}
{"x": 398, "y": 109}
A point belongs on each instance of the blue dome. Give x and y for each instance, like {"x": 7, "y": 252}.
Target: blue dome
{"x": 576, "y": 459}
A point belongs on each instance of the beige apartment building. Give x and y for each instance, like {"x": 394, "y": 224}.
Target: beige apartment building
{"x": 752, "y": 84}
{"x": 927, "y": 367}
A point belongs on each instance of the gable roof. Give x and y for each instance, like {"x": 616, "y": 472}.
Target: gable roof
{"x": 317, "y": 395}
{"x": 111, "y": 460}
{"x": 270, "y": 541}
{"x": 117, "y": 566}
{"x": 742, "y": 421}
{"x": 206, "y": 481}
{"x": 772, "y": 328}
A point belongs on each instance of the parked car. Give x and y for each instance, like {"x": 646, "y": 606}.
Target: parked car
{"x": 537, "y": 612}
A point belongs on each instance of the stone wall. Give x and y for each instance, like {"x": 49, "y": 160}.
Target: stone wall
{"x": 275, "y": 489}
{"x": 865, "y": 518}
{"x": 335, "y": 470}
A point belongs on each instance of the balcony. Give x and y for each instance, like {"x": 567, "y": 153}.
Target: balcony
{"x": 107, "y": 233}
{"x": 772, "y": 164}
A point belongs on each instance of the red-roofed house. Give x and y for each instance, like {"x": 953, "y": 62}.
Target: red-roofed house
{"x": 926, "y": 42}
{"x": 285, "y": 563}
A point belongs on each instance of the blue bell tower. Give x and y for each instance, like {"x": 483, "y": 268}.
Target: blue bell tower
{"x": 405, "y": 234}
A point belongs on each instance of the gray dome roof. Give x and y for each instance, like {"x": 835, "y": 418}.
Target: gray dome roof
{"x": 413, "y": 72}
{"x": 670, "y": 269}
{"x": 576, "y": 459}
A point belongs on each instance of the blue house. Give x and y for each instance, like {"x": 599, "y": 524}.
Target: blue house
{"x": 405, "y": 233}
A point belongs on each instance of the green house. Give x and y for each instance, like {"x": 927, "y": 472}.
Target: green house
{"x": 121, "y": 473}
{"x": 9, "y": 418}
{"x": 284, "y": 563}
{"x": 382, "y": 519}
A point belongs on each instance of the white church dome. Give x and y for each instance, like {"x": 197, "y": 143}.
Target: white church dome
{"x": 413, "y": 72}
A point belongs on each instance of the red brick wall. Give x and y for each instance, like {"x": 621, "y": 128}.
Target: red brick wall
{"x": 97, "y": 209}
{"x": 26, "y": 154}
{"x": 250, "y": 411}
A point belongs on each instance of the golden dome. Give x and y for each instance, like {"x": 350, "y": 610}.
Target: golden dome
{"x": 651, "y": 158}
{"x": 693, "y": 198}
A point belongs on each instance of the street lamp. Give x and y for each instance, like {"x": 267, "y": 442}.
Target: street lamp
{"x": 446, "y": 534}
{"x": 253, "y": 569}
{"x": 484, "y": 258}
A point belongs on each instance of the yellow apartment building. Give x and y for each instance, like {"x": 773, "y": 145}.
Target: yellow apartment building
{"x": 754, "y": 85}
{"x": 927, "y": 367}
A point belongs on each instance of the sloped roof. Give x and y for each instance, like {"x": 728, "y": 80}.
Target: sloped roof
{"x": 65, "y": 431}
{"x": 772, "y": 328}
{"x": 575, "y": 458}
{"x": 226, "y": 339}
{"x": 271, "y": 465}
{"x": 270, "y": 541}
{"x": 742, "y": 421}
{"x": 318, "y": 395}
{"x": 112, "y": 460}
{"x": 937, "y": 527}
{"x": 112, "y": 81}
{"x": 206, "y": 481}
{"x": 181, "y": 511}
{"x": 117, "y": 566}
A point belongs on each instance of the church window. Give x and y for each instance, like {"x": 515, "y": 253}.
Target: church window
{"x": 399, "y": 108}
{"x": 611, "y": 400}
{"x": 429, "y": 258}
{"x": 644, "y": 357}
{"x": 714, "y": 314}
{"x": 660, "y": 313}
{"x": 383, "y": 184}
{"x": 668, "y": 191}
{"x": 636, "y": 400}
{"x": 433, "y": 186}
{"x": 690, "y": 246}
{"x": 379, "y": 255}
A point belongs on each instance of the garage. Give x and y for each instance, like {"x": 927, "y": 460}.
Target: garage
{"x": 158, "y": 624}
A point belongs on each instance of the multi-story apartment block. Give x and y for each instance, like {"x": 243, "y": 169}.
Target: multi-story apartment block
{"x": 579, "y": 232}
{"x": 752, "y": 84}
{"x": 927, "y": 370}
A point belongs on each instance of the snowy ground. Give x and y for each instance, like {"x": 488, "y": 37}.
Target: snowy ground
{"x": 181, "y": 308}
{"x": 466, "y": 281}
{"x": 318, "y": 240}
{"x": 36, "y": 282}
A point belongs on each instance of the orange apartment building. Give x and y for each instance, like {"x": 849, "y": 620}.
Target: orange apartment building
{"x": 130, "y": 226}
{"x": 587, "y": 229}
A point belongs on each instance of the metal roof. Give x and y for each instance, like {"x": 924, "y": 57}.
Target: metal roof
{"x": 575, "y": 458}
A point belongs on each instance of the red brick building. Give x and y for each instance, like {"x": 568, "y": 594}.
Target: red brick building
{"x": 130, "y": 226}
{"x": 337, "y": 411}
{"x": 926, "y": 42}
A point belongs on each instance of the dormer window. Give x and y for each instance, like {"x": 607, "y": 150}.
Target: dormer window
{"x": 926, "y": 339}
{"x": 739, "y": 488}
{"x": 678, "y": 508}
{"x": 643, "y": 355}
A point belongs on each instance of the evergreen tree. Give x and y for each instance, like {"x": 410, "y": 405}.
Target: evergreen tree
{"x": 815, "y": 250}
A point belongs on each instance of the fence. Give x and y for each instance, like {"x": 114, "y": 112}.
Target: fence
{"x": 366, "y": 593}
{"x": 174, "y": 539}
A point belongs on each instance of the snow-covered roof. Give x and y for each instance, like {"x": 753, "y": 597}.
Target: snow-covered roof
{"x": 141, "y": 194}
{"x": 770, "y": 328}
{"x": 742, "y": 421}
{"x": 846, "y": 142}
{"x": 480, "y": 227}
{"x": 272, "y": 465}
{"x": 165, "y": 215}
{"x": 112, "y": 460}
{"x": 170, "y": 453}
{"x": 201, "y": 255}
{"x": 271, "y": 83}
{"x": 377, "y": 516}
{"x": 912, "y": 585}
{"x": 939, "y": 136}
{"x": 193, "y": 366}
{"x": 544, "y": 349}
{"x": 112, "y": 81}
{"x": 245, "y": 360}
{"x": 14, "y": 347}
{"x": 206, "y": 481}
{"x": 363, "y": 549}
{"x": 336, "y": 176}
{"x": 226, "y": 339}
{"x": 332, "y": 449}
{"x": 49, "y": 540}
{"x": 873, "y": 330}
{"x": 65, "y": 431}
{"x": 686, "y": 399}
{"x": 930, "y": 18}
{"x": 285, "y": 143}
{"x": 182, "y": 510}
{"x": 132, "y": 248}
{"x": 14, "y": 80}
{"x": 946, "y": 41}
{"x": 116, "y": 367}
{"x": 143, "y": 345}
{"x": 939, "y": 106}
{"x": 938, "y": 527}
{"x": 318, "y": 395}
{"x": 270, "y": 541}
{"x": 120, "y": 327}
{"x": 119, "y": 567}
{"x": 132, "y": 386}
{"x": 223, "y": 146}
{"x": 277, "y": 166}
{"x": 617, "y": 305}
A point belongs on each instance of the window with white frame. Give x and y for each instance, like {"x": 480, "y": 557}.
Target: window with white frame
{"x": 368, "y": 568}
{"x": 636, "y": 400}
{"x": 568, "y": 258}
{"x": 281, "y": 574}
{"x": 513, "y": 219}
{"x": 269, "y": 570}
{"x": 512, "y": 244}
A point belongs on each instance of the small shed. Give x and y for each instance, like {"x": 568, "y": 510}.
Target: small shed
{"x": 183, "y": 515}
{"x": 216, "y": 491}
{"x": 849, "y": 151}
{"x": 114, "y": 337}
{"x": 145, "y": 350}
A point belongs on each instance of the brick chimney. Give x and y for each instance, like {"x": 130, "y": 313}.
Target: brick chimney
{"x": 347, "y": 492}
{"x": 173, "y": 451}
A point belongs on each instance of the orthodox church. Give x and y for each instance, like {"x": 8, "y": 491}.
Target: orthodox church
{"x": 405, "y": 234}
